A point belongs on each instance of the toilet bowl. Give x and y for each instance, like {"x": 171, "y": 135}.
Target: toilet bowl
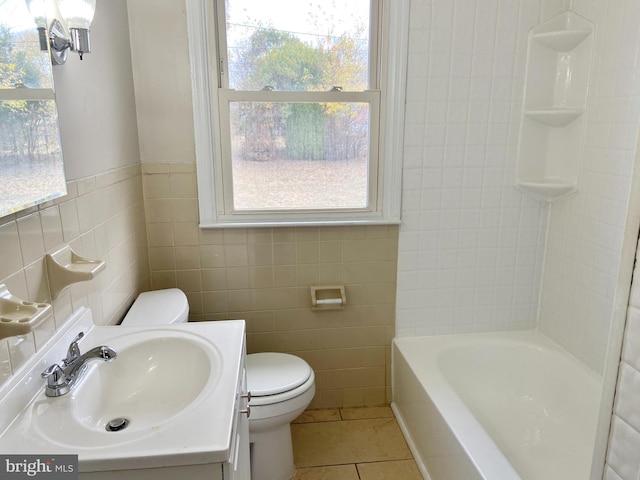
{"x": 281, "y": 385}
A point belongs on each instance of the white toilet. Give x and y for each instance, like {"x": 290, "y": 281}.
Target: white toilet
{"x": 281, "y": 386}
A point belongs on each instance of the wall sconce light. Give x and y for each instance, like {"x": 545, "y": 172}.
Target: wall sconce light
{"x": 77, "y": 14}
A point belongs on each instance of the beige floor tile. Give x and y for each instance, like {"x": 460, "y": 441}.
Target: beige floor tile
{"x": 348, "y": 441}
{"x": 336, "y": 472}
{"x": 366, "y": 412}
{"x": 325, "y": 415}
{"x": 397, "y": 470}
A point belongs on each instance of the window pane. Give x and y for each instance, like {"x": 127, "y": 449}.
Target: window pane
{"x": 22, "y": 63}
{"x": 30, "y": 158}
{"x": 299, "y": 155}
{"x": 298, "y": 46}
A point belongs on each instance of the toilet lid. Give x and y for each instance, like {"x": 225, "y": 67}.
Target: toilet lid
{"x": 272, "y": 373}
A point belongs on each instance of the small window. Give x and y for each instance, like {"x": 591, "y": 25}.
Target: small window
{"x": 292, "y": 133}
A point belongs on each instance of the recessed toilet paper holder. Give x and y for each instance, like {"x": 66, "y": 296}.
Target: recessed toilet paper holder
{"x": 328, "y": 297}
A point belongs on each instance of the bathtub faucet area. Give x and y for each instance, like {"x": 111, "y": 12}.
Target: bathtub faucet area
{"x": 60, "y": 380}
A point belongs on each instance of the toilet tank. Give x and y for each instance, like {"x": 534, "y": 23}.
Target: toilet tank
{"x": 159, "y": 307}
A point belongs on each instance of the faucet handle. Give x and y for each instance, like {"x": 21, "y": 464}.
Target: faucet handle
{"x": 55, "y": 376}
{"x": 74, "y": 350}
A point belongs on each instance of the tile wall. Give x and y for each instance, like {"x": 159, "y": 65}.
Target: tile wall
{"x": 264, "y": 276}
{"x": 471, "y": 245}
{"x": 623, "y": 462}
{"x": 586, "y": 231}
{"x": 102, "y": 217}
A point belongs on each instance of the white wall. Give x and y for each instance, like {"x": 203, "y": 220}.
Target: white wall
{"x": 471, "y": 246}
{"x": 96, "y": 103}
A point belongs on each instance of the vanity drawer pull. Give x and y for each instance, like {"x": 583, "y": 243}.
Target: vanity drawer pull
{"x": 247, "y": 411}
{"x": 247, "y": 396}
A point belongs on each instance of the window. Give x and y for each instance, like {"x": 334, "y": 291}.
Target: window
{"x": 288, "y": 102}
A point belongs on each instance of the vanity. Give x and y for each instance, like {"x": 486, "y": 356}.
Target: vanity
{"x": 171, "y": 404}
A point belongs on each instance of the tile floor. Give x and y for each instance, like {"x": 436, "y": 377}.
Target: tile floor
{"x": 351, "y": 444}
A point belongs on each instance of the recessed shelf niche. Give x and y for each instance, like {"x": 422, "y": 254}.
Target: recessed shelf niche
{"x": 552, "y": 129}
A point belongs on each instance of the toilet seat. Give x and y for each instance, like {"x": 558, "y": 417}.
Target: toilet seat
{"x": 276, "y": 377}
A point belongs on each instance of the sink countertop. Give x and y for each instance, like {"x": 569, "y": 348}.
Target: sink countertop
{"x": 200, "y": 434}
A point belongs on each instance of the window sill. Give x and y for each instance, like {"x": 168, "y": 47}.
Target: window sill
{"x": 298, "y": 223}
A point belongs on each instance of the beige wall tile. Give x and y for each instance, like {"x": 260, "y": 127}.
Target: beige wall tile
{"x": 187, "y": 257}
{"x": 214, "y": 279}
{"x": 160, "y": 234}
{"x": 156, "y": 186}
{"x": 10, "y": 254}
{"x": 236, "y": 255}
{"x": 212, "y": 256}
{"x": 162, "y": 258}
{"x": 51, "y": 227}
{"x": 158, "y": 210}
{"x": 261, "y": 277}
{"x": 284, "y": 254}
{"x": 189, "y": 281}
{"x": 69, "y": 217}
{"x": 307, "y": 252}
{"x": 186, "y": 234}
{"x": 238, "y": 278}
{"x": 264, "y": 276}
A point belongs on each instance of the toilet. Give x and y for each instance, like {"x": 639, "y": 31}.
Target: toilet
{"x": 281, "y": 385}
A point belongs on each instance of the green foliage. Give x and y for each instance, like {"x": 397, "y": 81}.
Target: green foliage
{"x": 298, "y": 131}
{"x": 21, "y": 121}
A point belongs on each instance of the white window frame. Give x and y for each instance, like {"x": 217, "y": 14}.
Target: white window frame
{"x": 386, "y": 186}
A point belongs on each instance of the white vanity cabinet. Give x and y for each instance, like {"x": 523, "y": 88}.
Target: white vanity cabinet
{"x": 239, "y": 466}
{"x": 182, "y": 387}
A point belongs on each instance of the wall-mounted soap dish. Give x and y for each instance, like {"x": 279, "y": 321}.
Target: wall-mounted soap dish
{"x": 18, "y": 316}
{"x": 65, "y": 267}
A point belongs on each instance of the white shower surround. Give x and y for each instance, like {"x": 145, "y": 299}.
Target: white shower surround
{"x": 476, "y": 254}
{"x": 471, "y": 245}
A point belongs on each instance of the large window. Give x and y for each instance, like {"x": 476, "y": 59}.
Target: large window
{"x": 288, "y": 101}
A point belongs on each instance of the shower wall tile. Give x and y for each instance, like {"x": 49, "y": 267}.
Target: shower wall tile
{"x": 586, "y": 230}
{"x": 624, "y": 439}
{"x": 263, "y": 276}
{"x": 470, "y": 246}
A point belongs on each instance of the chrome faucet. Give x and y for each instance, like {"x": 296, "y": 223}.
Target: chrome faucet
{"x": 60, "y": 380}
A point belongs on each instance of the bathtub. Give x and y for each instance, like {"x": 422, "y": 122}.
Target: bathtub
{"x": 495, "y": 406}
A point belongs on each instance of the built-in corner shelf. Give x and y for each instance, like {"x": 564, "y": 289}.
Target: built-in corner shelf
{"x": 65, "y": 267}
{"x": 552, "y": 129}
{"x": 547, "y": 190}
{"x": 554, "y": 117}
{"x": 18, "y": 316}
{"x": 562, "y": 40}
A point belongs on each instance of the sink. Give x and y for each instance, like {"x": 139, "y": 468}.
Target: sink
{"x": 168, "y": 397}
{"x": 149, "y": 383}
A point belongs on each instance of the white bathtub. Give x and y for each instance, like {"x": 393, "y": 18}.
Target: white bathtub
{"x": 495, "y": 406}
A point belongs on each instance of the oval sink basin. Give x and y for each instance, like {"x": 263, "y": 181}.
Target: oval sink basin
{"x": 150, "y": 383}
{"x": 147, "y": 384}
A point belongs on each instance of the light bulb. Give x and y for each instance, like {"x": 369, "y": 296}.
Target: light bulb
{"x": 77, "y": 13}
{"x": 38, "y": 10}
